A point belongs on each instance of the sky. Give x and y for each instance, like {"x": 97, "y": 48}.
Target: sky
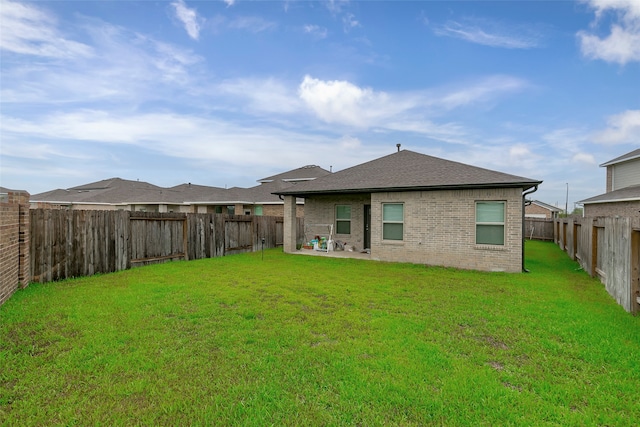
{"x": 223, "y": 93}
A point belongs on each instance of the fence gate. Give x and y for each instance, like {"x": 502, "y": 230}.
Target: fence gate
{"x": 238, "y": 235}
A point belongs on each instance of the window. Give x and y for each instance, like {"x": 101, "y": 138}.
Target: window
{"x": 257, "y": 210}
{"x": 231, "y": 209}
{"x": 490, "y": 223}
{"x": 218, "y": 209}
{"x": 343, "y": 219}
{"x": 392, "y": 221}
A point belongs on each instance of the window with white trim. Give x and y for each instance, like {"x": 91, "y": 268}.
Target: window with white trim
{"x": 392, "y": 221}
{"x": 490, "y": 218}
{"x": 343, "y": 219}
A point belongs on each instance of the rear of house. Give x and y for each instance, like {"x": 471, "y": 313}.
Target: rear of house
{"x": 408, "y": 207}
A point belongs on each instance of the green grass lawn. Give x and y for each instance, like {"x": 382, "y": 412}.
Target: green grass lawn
{"x": 301, "y": 340}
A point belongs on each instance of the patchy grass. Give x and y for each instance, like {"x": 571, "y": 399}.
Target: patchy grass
{"x": 295, "y": 340}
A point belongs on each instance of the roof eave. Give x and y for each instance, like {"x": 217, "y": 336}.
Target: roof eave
{"x": 628, "y": 199}
{"x": 523, "y": 185}
{"x": 615, "y": 162}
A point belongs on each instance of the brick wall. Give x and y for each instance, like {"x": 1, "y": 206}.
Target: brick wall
{"x": 14, "y": 243}
{"x": 439, "y": 227}
{"x": 321, "y": 210}
{"x": 534, "y": 209}
{"x": 629, "y": 209}
{"x": 278, "y": 210}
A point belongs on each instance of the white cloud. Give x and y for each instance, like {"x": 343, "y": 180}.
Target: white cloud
{"x": 496, "y": 35}
{"x": 350, "y": 22}
{"x": 229, "y": 2}
{"x": 624, "y": 128}
{"x": 262, "y": 95}
{"x": 350, "y": 143}
{"x": 622, "y": 45}
{"x": 585, "y": 158}
{"x": 254, "y": 24}
{"x": 342, "y": 102}
{"x": 189, "y": 17}
{"x": 484, "y": 89}
{"x": 29, "y": 30}
{"x": 519, "y": 153}
{"x": 335, "y": 6}
{"x": 181, "y": 136}
{"x": 130, "y": 66}
{"x": 316, "y": 31}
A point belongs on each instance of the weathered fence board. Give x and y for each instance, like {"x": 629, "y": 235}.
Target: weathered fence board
{"x": 81, "y": 243}
{"x": 607, "y": 248}
{"x": 538, "y": 229}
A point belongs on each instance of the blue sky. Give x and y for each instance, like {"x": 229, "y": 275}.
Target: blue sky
{"x": 223, "y": 93}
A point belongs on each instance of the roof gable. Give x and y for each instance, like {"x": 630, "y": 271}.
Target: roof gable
{"x": 304, "y": 173}
{"x": 635, "y": 154}
{"x": 408, "y": 170}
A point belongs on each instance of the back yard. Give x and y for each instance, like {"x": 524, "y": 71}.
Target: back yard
{"x": 295, "y": 340}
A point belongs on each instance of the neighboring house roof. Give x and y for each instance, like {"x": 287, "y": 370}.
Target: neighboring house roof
{"x": 305, "y": 173}
{"x": 627, "y": 194}
{"x": 113, "y": 190}
{"x": 193, "y": 193}
{"x": 635, "y": 154}
{"x": 546, "y": 206}
{"x": 118, "y": 191}
{"x": 407, "y": 170}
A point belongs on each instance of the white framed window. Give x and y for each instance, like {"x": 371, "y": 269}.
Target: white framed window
{"x": 490, "y": 219}
{"x": 392, "y": 221}
{"x": 343, "y": 219}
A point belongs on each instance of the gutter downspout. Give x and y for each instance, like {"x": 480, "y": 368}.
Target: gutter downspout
{"x": 524, "y": 233}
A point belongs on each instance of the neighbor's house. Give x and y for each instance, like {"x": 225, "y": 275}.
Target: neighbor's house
{"x": 139, "y": 196}
{"x": 622, "y": 197}
{"x": 410, "y": 207}
{"x": 538, "y": 209}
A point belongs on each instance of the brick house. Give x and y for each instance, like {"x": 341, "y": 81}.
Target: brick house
{"x": 410, "y": 207}
{"x": 538, "y": 209}
{"x": 118, "y": 193}
{"x": 622, "y": 197}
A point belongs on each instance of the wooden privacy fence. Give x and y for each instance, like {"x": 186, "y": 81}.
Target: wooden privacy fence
{"x": 82, "y": 242}
{"x": 538, "y": 229}
{"x": 607, "y": 248}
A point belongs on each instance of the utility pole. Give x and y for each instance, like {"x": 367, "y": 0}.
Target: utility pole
{"x": 566, "y": 203}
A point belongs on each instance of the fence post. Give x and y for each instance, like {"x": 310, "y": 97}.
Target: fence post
{"x": 635, "y": 271}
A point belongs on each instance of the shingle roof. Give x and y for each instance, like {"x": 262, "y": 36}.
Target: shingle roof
{"x": 546, "y": 206}
{"x": 304, "y": 173}
{"x": 121, "y": 191}
{"x": 408, "y": 170}
{"x": 625, "y": 157}
{"x": 113, "y": 190}
{"x": 630, "y": 193}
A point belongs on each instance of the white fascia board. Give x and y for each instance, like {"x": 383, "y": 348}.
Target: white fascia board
{"x": 609, "y": 163}
{"x": 630, "y": 199}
